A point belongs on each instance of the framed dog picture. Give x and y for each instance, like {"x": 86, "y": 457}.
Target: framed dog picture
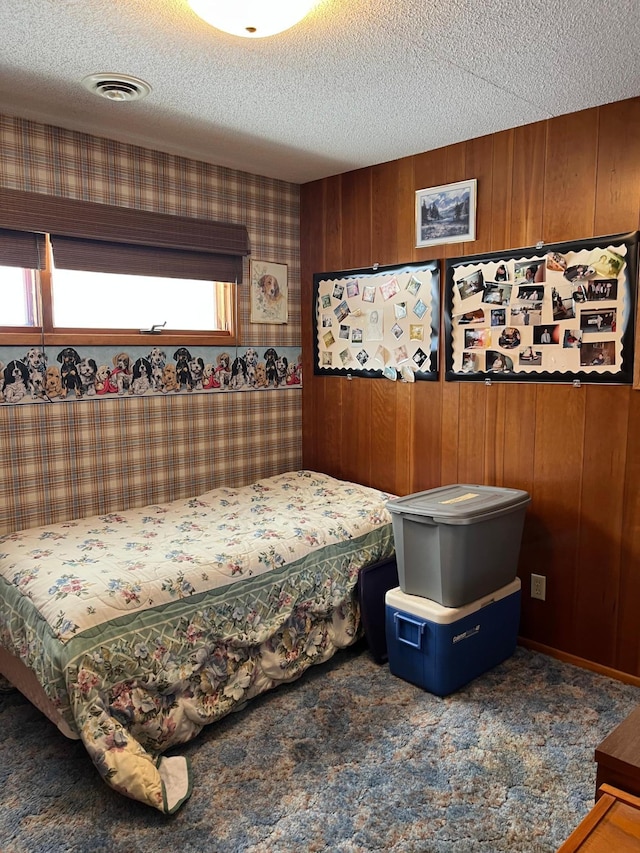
{"x": 268, "y": 292}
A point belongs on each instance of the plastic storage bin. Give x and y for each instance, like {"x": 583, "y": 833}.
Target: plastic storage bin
{"x": 457, "y": 543}
{"x": 443, "y": 648}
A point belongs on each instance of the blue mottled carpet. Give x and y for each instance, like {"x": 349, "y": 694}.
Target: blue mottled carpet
{"x": 349, "y": 758}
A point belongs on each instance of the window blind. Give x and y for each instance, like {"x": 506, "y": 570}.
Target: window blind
{"x": 108, "y": 238}
{"x": 22, "y": 249}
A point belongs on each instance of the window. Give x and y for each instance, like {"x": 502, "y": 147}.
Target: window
{"x": 79, "y": 306}
{"x": 112, "y": 275}
{"x": 19, "y": 303}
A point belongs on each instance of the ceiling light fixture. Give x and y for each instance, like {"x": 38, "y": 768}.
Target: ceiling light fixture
{"x": 252, "y": 18}
{"x": 116, "y": 87}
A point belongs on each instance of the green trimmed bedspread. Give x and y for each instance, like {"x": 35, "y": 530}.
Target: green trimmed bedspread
{"x": 143, "y": 626}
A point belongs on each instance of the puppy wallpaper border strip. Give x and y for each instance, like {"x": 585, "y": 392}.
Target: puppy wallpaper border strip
{"x": 54, "y": 374}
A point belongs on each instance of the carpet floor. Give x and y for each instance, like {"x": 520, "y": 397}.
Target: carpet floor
{"x": 349, "y": 758}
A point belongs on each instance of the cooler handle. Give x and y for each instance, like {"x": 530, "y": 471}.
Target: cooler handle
{"x": 400, "y": 617}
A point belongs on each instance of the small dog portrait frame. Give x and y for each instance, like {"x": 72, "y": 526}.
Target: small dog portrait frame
{"x": 269, "y": 292}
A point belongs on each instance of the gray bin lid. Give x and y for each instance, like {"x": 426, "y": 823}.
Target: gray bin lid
{"x": 460, "y": 503}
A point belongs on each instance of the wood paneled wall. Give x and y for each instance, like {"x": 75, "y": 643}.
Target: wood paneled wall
{"x": 575, "y": 450}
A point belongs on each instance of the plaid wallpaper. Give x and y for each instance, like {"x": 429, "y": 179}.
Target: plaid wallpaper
{"x": 63, "y": 462}
{"x": 84, "y": 458}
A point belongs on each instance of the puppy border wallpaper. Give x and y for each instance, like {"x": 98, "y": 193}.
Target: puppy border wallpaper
{"x": 54, "y": 374}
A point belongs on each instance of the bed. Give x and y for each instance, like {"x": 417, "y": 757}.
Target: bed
{"x": 132, "y": 630}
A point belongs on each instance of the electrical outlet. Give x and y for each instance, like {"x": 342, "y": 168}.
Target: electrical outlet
{"x": 539, "y": 587}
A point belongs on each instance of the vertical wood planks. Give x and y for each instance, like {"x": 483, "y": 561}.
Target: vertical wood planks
{"x": 575, "y": 450}
{"x": 570, "y": 177}
{"x": 529, "y": 148}
{"x": 597, "y": 579}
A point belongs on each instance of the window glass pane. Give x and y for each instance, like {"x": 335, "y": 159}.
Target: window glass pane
{"x": 93, "y": 300}
{"x": 17, "y": 305}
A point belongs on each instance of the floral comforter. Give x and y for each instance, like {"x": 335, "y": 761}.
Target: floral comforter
{"x": 145, "y": 625}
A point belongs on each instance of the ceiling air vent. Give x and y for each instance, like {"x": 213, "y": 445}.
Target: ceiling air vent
{"x": 116, "y": 87}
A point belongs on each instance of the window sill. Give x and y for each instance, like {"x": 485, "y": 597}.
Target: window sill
{"x": 34, "y": 338}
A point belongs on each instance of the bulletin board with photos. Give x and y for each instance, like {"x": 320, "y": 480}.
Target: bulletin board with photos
{"x": 378, "y": 322}
{"x": 560, "y": 312}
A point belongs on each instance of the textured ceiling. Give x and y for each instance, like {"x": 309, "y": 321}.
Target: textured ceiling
{"x": 357, "y": 82}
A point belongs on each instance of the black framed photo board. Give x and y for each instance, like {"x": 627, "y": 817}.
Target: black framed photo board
{"x": 378, "y": 322}
{"x": 561, "y": 312}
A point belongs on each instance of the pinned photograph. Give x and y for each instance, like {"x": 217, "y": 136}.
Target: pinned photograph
{"x": 353, "y": 289}
{"x": 497, "y": 294}
{"x": 598, "y": 354}
{"x": 328, "y": 339}
{"x": 407, "y": 373}
{"x": 470, "y": 284}
{"x": 326, "y": 301}
{"x": 501, "y": 273}
{"x": 268, "y": 292}
{"x": 344, "y": 332}
{"x": 420, "y": 309}
{"x": 369, "y": 293}
{"x": 416, "y": 332}
{"x": 345, "y": 357}
{"x": 341, "y": 311}
{"x": 390, "y": 372}
{"x": 470, "y": 317}
{"x": 606, "y": 262}
{"x": 477, "y": 338}
{"x": 413, "y": 285}
{"x": 338, "y": 291}
{"x": 446, "y": 214}
{"x": 579, "y": 272}
{"x": 356, "y": 336}
{"x": 470, "y": 362}
{"x": 419, "y": 357}
{"x": 374, "y": 330}
{"x": 556, "y": 262}
{"x": 563, "y": 305}
{"x": 529, "y": 272}
{"x": 530, "y": 293}
{"x": 572, "y": 338}
{"x": 497, "y": 362}
{"x": 526, "y": 314}
{"x": 601, "y": 288}
{"x": 400, "y": 354}
{"x": 530, "y": 357}
{"x": 400, "y": 310}
{"x": 363, "y": 357}
{"x": 326, "y": 359}
{"x": 397, "y": 331}
{"x": 598, "y": 321}
{"x": 390, "y": 289}
{"x": 509, "y": 338}
{"x": 498, "y": 316}
{"x": 382, "y": 355}
{"x": 546, "y": 334}
{"x": 327, "y": 321}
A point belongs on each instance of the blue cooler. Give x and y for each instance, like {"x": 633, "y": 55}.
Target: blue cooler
{"x": 443, "y": 648}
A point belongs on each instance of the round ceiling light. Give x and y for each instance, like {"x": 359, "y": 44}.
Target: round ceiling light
{"x": 116, "y": 87}
{"x": 252, "y": 18}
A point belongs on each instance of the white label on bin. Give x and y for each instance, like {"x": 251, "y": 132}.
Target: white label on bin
{"x": 465, "y": 636}
{"x": 466, "y": 497}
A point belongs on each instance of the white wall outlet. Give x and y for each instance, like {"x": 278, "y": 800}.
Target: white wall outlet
{"x": 539, "y": 587}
